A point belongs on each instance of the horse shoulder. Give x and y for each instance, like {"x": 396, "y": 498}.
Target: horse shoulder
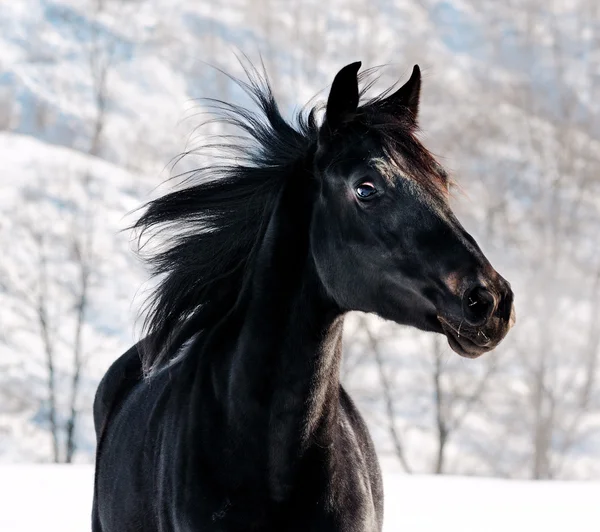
{"x": 120, "y": 378}
{"x": 366, "y": 451}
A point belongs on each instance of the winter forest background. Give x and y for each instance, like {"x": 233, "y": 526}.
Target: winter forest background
{"x": 97, "y": 98}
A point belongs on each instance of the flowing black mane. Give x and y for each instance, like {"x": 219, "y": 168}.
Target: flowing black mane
{"x": 210, "y": 228}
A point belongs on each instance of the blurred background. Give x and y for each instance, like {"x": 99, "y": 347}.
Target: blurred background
{"x": 97, "y": 98}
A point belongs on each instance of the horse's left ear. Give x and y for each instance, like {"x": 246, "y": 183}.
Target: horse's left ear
{"x": 408, "y": 95}
{"x": 343, "y": 97}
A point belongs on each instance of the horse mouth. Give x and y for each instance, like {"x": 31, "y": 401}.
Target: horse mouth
{"x": 467, "y": 343}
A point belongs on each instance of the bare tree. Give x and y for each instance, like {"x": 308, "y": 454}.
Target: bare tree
{"x": 7, "y": 118}
{"x": 48, "y": 336}
{"x": 84, "y": 257}
{"x": 558, "y": 142}
{"x": 450, "y": 393}
{"x": 52, "y": 291}
{"x": 101, "y": 59}
{"x": 391, "y": 416}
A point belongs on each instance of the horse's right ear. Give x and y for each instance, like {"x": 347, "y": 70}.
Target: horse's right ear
{"x": 343, "y": 98}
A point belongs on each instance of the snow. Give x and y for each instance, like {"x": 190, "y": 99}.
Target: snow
{"x": 422, "y": 503}
{"x": 45, "y": 497}
{"x": 58, "y": 498}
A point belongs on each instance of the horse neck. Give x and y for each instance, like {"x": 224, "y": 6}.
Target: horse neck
{"x": 282, "y": 377}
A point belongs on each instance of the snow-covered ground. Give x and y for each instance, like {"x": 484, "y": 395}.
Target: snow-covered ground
{"x": 58, "y": 498}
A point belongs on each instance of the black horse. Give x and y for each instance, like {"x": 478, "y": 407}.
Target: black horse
{"x": 229, "y": 416}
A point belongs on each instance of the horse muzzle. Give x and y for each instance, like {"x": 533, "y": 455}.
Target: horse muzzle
{"x": 487, "y": 316}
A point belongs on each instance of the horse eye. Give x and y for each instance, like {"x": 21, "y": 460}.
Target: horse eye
{"x": 365, "y": 191}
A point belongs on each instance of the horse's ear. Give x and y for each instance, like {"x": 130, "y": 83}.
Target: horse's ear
{"x": 343, "y": 97}
{"x": 408, "y": 95}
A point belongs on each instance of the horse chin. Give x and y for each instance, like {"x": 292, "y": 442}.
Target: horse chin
{"x": 465, "y": 348}
{"x": 462, "y": 344}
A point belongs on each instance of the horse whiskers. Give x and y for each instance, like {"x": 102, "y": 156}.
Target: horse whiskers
{"x": 479, "y": 331}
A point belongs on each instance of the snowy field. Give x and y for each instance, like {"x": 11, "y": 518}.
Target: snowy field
{"x": 57, "y": 498}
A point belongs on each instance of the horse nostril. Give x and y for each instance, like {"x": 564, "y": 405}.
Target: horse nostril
{"x": 478, "y": 305}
